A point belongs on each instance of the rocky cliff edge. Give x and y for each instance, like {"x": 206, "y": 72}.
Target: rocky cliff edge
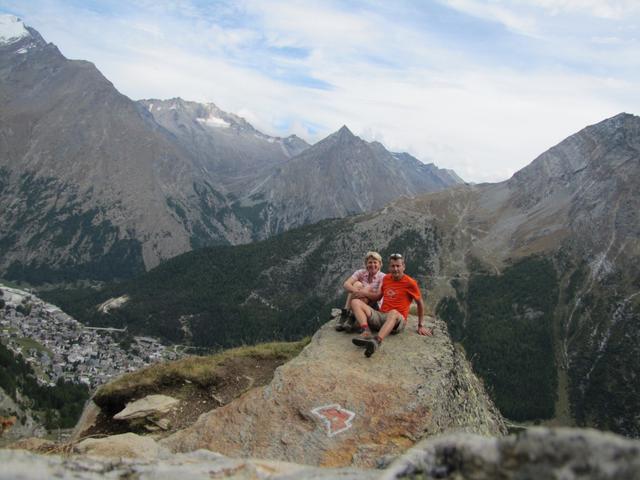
{"x": 330, "y": 406}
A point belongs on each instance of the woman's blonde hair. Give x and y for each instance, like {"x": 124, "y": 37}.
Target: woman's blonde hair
{"x": 375, "y": 255}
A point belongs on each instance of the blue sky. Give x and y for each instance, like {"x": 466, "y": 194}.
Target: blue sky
{"x": 479, "y": 86}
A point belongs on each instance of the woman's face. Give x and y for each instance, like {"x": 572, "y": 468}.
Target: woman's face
{"x": 373, "y": 265}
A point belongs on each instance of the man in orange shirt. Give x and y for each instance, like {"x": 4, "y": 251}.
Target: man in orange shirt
{"x": 398, "y": 291}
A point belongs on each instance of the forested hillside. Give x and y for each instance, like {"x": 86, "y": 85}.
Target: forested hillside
{"x": 278, "y": 289}
{"x": 507, "y": 332}
{"x": 56, "y": 407}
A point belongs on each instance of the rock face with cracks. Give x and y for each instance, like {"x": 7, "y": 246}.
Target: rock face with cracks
{"x": 331, "y": 406}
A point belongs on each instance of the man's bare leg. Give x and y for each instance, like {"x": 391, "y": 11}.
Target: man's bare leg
{"x": 393, "y": 317}
{"x": 371, "y": 344}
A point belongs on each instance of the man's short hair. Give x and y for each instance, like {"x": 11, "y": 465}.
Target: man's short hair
{"x": 374, "y": 255}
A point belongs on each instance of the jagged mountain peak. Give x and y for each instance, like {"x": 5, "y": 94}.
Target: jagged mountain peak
{"x": 604, "y": 145}
{"x": 12, "y": 29}
{"x": 340, "y": 137}
{"x": 613, "y": 128}
{"x": 345, "y": 130}
{"x": 345, "y": 133}
{"x": 17, "y": 38}
{"x": 619, "y": 120}
{"x": 208, "y": 115}
{"x": 186, "y": 114}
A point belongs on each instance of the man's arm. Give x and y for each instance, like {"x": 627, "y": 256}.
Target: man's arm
{"x": 421, "y": 328}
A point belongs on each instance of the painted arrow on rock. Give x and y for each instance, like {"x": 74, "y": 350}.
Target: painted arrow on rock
{"x": 336, "y": 418}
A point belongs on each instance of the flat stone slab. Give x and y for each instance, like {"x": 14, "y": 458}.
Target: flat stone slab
{"x": 151, "y": 405}
{"x": 126, "y": 445}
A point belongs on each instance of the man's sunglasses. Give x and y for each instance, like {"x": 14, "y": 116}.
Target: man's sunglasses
{"x": 395, "y": 256}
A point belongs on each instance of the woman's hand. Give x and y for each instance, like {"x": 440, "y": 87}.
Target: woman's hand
{"x": 359, "y": 292}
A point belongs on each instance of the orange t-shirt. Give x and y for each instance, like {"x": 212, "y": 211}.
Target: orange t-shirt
{"x": 398, "y": 295}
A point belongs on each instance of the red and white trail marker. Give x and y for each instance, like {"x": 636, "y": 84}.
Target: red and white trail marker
{"x": 334, "y": 417}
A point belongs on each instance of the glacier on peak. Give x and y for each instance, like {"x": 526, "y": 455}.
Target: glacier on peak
{"x": 11, "y": 29}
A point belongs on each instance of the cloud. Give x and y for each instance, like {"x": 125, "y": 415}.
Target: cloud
{"x": 515, "y": 20}
{"x": 608, "y": 9}
{"x": 480, "y": 87}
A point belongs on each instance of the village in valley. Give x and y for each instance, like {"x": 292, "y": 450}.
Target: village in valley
{"x": 59, "y": 347}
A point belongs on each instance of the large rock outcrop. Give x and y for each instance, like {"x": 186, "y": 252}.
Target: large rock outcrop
{"x": 331, "y": 406}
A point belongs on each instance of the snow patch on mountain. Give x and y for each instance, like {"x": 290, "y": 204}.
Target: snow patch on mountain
{"x": 11, "y": 29}
{"x": 214, "y": 121}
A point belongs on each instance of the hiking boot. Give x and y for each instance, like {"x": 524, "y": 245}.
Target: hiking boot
{"x": 370, "y": 344}
{"x": 344, "y": 321}
{"x": 349, "y": 323}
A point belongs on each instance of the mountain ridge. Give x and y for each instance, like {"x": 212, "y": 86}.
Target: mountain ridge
{"x": 102, "y": 187}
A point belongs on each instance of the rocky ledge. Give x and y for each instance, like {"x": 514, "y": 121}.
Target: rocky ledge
{"x": 330, "y": 406}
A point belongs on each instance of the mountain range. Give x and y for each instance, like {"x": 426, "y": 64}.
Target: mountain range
{"x": 95, "y": 185}
{"x": 537, "y": 277}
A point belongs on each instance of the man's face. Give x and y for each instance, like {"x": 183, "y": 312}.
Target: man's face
{"x": 396, "y": 268}
{"x": 373, "y": 265}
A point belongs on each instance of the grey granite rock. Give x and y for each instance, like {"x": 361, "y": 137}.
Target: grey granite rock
{"x": 538, "y": 453}
{"x": 21, "y": 465}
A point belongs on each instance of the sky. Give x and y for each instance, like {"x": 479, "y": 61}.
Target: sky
{"x": 478, "y": 86}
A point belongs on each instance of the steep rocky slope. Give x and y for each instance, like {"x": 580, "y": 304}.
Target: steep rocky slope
{"x": 224, "y": 144}
{"x": 86, "y": 176}
{"x": 339, "y": 176}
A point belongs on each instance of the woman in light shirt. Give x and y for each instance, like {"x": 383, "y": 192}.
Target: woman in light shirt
{"x": 363, "y": 284}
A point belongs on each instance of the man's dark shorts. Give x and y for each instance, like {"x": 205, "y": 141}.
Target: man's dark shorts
{"x": 378, "y": 318}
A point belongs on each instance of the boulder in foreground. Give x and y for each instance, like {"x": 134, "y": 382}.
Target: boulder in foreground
{"x": 537, "y": 453}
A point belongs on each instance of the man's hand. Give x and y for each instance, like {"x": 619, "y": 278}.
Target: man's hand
{"x": 425, "y": 331}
